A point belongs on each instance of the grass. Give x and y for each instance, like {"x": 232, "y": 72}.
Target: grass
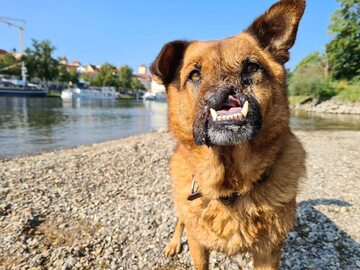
{"x": 295, "y": 100}
{"x": 350, "y": 93}
{"x": 54, "y": 94}
{"x": 125, "y": 96}
{"x": 345, "y": 91}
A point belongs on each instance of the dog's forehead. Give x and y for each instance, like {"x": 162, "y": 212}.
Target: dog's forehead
{"x": 234, "y": 48}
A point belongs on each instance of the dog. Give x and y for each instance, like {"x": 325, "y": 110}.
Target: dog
{"x": 237, "y": 165}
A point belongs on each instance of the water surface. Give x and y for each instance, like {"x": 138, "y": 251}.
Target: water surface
{"x": 32, "y": 125}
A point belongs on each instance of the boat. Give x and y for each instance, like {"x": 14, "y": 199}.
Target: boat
{"x": 159, "y": 96}
{"x": 14, "y": 87}
{"x": 82, "y": 91}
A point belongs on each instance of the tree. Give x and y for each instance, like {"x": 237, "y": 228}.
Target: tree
{"x": 344, "y": 50}
{"x": 136, "y": 84}
{"x": 310, "y": 78}
{"x": 39, "y": 61}
{"x": 105, "y": 77}
{"x": 73, "y": 76}
{"x": 63, "y": 74}
{"x": 9, "y": 65}
{"x": 125, "y": 76}
{"x": 85, "y": 77}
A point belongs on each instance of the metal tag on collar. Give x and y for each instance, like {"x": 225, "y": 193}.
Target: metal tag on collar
{"x": 194, "y": 193}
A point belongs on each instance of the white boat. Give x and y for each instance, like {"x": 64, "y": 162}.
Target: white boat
{"x": 89, "y": 93}
{"x": 160, "y": 96}
{"x": 14, "y": 86}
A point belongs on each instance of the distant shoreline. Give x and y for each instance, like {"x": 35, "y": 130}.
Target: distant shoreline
{"x": 331, "y": 106}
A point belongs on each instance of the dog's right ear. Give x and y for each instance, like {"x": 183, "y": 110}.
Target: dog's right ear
{"x": 167, "y": 63}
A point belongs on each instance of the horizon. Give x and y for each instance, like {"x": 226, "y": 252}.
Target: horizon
{"x": 94, "y": 33}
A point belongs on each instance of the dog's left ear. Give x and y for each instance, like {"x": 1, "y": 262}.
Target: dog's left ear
{"x": 276, "y": 29}
{"x": 167, "y": 63}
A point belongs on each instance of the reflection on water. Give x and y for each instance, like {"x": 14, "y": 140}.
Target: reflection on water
{"x": 301, "y": 120}
{"x": 31, "y": 125}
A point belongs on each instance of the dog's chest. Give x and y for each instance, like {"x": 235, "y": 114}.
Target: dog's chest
{"x": 227, "y": 228}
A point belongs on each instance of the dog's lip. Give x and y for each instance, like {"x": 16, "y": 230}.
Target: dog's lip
{"x": 233, "y": 110}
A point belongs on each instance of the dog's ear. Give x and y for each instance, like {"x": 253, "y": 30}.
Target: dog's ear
{"x": 276, "y": 29}
{"x": 167, "y": 63}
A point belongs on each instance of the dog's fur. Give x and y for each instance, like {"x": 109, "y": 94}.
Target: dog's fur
{"x": 232, "y": 158}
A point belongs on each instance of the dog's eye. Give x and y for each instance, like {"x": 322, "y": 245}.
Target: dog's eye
{"x": 194, "y": 76}
{"x": 251, "y": 68}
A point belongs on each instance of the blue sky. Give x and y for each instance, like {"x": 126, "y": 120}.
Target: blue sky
{"x": 132, "y": 32}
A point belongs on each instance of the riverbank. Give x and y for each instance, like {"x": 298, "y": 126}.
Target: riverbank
{"x": 108, "y": 206}
{"x": 333, "y": 106}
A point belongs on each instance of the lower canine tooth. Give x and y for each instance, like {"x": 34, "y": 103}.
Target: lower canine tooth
{"x": 245, "y": 109}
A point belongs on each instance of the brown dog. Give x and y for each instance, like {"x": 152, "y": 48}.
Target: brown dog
{"x": 237, "y": 165}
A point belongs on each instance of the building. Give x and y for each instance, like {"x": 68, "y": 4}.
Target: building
{"x": 75, "y": 65}
{"x": 63, "y": 60}
{"x": 3, "y": 52}
{"x": 16, "y": 55}
{"x": 144, "y": 77}
{"x": 156, "y": 87}
{"x": 89, "y": 68}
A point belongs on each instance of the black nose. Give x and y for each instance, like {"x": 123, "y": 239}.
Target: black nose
{"x": 219, "y": 96}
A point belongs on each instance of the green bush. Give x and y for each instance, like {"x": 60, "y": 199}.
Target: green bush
{"x": 324, "y": 90}
{"x": 350, "y": 93}
{"x": 308, "y": 78}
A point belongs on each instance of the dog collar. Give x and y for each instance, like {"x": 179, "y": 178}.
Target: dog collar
{"x": 225, "y": 200}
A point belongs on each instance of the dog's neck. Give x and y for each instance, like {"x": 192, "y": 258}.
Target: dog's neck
{"x": 233, "y": 168}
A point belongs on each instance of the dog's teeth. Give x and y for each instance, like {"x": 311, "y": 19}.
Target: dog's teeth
{"x": 213, "y": 114}
{"x": 245, "y": 109}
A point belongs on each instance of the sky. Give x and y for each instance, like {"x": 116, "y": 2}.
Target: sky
{"x": 132, "y": 32}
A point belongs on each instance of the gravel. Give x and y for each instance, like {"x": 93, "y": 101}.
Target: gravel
{"x": 108, "y": 206}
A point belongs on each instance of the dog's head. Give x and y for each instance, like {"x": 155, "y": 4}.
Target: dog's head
{"x": 233, "y": 90}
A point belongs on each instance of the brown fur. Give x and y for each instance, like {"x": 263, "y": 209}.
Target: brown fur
{"x": 261, "y": 217}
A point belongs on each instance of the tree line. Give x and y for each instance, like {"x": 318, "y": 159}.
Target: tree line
{"x": 336, "y": 71}
{"x": 42, "y": 66}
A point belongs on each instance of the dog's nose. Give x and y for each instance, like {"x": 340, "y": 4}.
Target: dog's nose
{"x": 219, "y": 96}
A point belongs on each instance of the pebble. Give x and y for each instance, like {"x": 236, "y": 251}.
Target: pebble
{"x": 108, "y": 206}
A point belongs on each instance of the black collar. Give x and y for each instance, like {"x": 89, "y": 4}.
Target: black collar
{"x": 226, "y": 200}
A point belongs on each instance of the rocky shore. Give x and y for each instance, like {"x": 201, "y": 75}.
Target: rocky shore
{"x": 334, "y": 106}
{"x": 108, "y": 206}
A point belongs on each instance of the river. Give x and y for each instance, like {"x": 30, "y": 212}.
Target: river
{"x": 33, "y": 125}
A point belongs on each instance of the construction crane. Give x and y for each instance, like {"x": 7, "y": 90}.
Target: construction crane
{"x": 19, "y": 24}
{"x": 12, "y": 22}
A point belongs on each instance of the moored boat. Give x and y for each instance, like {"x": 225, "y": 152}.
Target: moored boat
{"x": 83, "y": 92}
{"x": 14, "y": 87}
{"x": 159, "y": 96}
